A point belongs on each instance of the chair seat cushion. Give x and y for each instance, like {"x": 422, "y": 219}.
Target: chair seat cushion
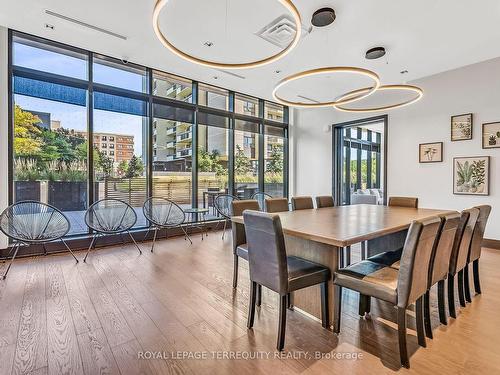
{"x": 242, "y": 251}
{"x": 303, "y": 273}
{"x": 388, "y": 258}
{"x": 371, "y": 279}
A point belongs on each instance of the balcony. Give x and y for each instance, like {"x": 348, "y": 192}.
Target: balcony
{"x": 183, "y": 137}
{"x": 184, "y": 153}
{"x": 171, "y": 144}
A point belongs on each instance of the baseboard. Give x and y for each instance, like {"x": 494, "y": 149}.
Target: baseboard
{"x": 491, "y": 244}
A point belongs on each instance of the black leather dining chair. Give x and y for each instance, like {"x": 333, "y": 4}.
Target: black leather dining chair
{"x": 401, "y": 287}
{"x": 324, "y": 201}
{"x": 475, "y": 251}
{"x": 302, "y": 203}
{"x": 272, "y": 268}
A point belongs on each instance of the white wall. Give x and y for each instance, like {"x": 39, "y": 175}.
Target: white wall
{"x": 3, "y": 127}
{"x": 475, "y": 88}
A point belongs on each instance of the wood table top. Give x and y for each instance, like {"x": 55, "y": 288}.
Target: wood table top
{"x": 348, "y": 225}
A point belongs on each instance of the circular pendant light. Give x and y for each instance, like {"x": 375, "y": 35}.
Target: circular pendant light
{"x": 328, "y": 70}
{"x": 356, "y": 93}
{"x": 160, "y": 4}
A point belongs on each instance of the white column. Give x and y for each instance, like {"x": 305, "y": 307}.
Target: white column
{"x": 4, "y": 157}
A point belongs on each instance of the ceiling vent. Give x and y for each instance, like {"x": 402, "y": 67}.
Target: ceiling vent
{"x": 280, "y": 31}
{"x": 231, "y": 73}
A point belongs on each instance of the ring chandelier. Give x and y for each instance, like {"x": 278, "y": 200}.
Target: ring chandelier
{"x": 329, "y": 70}
{"x": 160, "y": 4}
{"x": 356, "y": 93}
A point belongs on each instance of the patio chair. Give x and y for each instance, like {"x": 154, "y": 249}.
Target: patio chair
{"x": 261, "y": 198}
{"x": 223, "y": 205}
{"x": 110, "y": 216}
{"x": 30, "y": 223}
{"x": 163, "y": 214}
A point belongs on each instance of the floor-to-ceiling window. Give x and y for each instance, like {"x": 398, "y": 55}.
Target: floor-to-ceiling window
{"x": 87, "y": 127}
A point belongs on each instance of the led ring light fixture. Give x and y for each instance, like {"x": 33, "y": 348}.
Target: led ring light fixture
{"x": 160, "y": 4}
{"x": 355, "y": 95}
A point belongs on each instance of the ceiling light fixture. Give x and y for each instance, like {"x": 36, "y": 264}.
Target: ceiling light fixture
{"x": 375, "y": 53}
{"x": 356, "y": 93}
{"x": 329, "y": 70}
{"x": 323, "y": 17}
{"x": 160, "y": 4}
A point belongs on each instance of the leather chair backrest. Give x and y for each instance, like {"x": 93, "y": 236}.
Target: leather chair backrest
{"x": 276, "y": 205}
{"x": 324, "y": 201}
{"x": 415, "y": 260}
{"x": 266, "y": 250}
{"x": 458, "y": 259}
{"x": 238, "y": 230}
{"x": 403, "y": 202}
{"x": 478, "y": 236}
{"x": 440, "y": 260}
{"x": 302, "y": 203}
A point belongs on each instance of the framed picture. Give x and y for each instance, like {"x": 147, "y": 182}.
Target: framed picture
{"x": 471, "y": 175}
{"x": 491, "y": 135}
{"x": 461, "y": 127}
{"x": 430, "y": 152}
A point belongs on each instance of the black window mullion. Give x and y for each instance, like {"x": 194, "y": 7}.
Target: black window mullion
{"x": 230, "y": 168}
{"x": 261, "y": 170}
{"x": 90, "y": 133}
{"x": 379, "y": 167}
{"x": 149, "y": 149}
{"x": 194, "y": 150}
{"x": 369, "y": 161}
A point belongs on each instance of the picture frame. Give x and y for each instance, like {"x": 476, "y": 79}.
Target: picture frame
{"x": 461, "y": 127}
{"x": 491, "y": 135}
{"x": 471, "y": 175}
{"x": 430, "y": 152}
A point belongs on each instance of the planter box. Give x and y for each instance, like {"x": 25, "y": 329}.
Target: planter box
{"x": 68, "y": 196}
{"x": 27, "y": 190}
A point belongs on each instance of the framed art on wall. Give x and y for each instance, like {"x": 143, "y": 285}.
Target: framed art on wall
{"x": 430, "y": 152}
{"x": 491, "y": 135}
{"x": 471, "y": 175}
{"x": 461, "y": 127}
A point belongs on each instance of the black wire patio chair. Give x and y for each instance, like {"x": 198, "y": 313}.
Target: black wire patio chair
{"x": 261, "y": 198}
{"x": 110, "y": 216}
{"x": 223, "y": 205}
{"x": 31, "y": 223}
{"x": 165, "y": 214}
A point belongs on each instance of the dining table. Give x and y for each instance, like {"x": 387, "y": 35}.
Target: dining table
{"x": 322, "y": 234}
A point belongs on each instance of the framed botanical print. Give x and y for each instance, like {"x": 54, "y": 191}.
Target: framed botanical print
{"x": 491, "y": 135}
{"x": 471, "y": 175}
{"x": 430, "y": 152}
{"x": 461, "y": 127}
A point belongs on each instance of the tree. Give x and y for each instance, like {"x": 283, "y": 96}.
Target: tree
{"x": 104, "y": 163}
{"x": 26, "y": 133}
{"x": 242, "y": 164}
{"x": 135, "y": 167}
{"x": 210, "y": 162}
{"x": 275, "y": 163}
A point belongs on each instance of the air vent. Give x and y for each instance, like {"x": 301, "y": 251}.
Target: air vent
{"x": 231, "y": 74}
{"x": 280, "y": 32}
{"x": 306, "y": 98}
{"x": 84, "y": 24}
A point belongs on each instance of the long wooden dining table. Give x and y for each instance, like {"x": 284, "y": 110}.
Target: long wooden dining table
{"x": 320, "y": 235}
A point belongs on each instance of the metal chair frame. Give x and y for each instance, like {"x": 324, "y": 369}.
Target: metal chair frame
{"x": 28, "y": 242}
{"x": 158, "y": 226}
{"x": 222, "y": 213}
{"x": 101, "y": 233}
{"x": 262, "y": 200}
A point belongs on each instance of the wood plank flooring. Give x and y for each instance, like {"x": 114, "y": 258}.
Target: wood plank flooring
{"x": 58, "y": 317}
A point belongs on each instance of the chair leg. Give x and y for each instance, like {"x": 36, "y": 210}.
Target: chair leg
{"x": 235, "y": 271}
{"x": 441, "y": 303}
{"x": 475, "y": 271}
{"x": 325, "y": 313}
{"x": 451, "y": 296}
{"x": 337, "y": 308}
{"x": 186, "y": 234}
{"x": 282, "y": 324}
{"x": 461, "y": 297}
{"x": 466, "y": 284}
{"x": 427, "y": 315}
{"x": 154, "y": 239}
{"x": 133, "y": 240}
{"x": 290, "y": 301}
{"x": 341, "y": 257}
{"x": 224, "y": 230}
{"x": 251, "y": 305}
{"x": 403, "y": 350}
{"x": 94, "y": 239}
{"x": 348, "y": 255}
{"x": 17, "y": 246}
{"x": 364, "y": 304}
{"x": 419, "y": 309}
{"x": 259, "y": 295}
{"x": 363, "y": 250}
{"x": 67, "y": 247}
{"x": 44, "y": 250}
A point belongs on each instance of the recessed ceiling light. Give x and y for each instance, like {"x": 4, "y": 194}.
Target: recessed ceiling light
{"x": 215, "y": 77}
{"x": 208, "y": 43}
{"x": 404, "y": 71}
{"x": 277, "y": 71}
{"x": 48, "y": 26}
{"x": 323, "y": 17}
{"x": 375, "y": 53}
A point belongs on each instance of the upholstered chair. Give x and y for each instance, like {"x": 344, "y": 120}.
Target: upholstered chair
{"x": 276, "y": 205}
{"x": 324, "y": 201}
{"x": 302, "y": 203}
{"x": 410, "y": 202}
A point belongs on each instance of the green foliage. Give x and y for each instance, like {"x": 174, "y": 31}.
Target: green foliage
{"x": 210, "y": 162}
{"x": 478, "y": 172}
{"x": 135, "y": 167}
{"x": 242, "y": 164}
{"x": 464, "y": 173}
{"x": 103, "y": 162}
{"x": 275, "y": 163}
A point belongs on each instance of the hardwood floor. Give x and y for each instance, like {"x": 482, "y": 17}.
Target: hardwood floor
{"x": 97, "y": 318}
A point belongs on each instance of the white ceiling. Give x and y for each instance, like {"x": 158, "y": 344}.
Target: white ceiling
{"x": 424, "y": 37}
